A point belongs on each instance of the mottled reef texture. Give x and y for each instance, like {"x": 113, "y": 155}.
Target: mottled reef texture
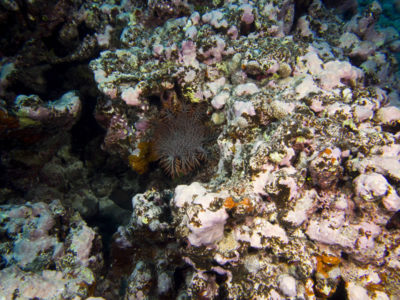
{"x": 199, "y": 149}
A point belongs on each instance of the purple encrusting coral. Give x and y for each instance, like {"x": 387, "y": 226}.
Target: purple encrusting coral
{"x": 178, "y": 142}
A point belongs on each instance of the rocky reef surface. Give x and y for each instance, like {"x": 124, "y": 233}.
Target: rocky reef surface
{"x": 199, "y": 150}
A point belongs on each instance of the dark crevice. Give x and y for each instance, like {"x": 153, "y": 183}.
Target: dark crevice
{"x": 300, "y": 9}
{"x": 180, "y": 275}
{"x": 246, "y": 29}
{"x": 346, "y": 8}
{"x": 252, "y": 250}
{"x": 122, "y": 198}
{"x": 84, "y": 31}
{"x": 340, "y": 293}
{"x": 392, "y": 128}
{"x": 55, "y": 80}
{"x": 24, "y": 14}
{"x": 10, "y": 41}
{"x": 394, "y": 221}
{"x": 69, "y": 76}
{"x": 53, "y": 44}
{"x": 344, "y": 255}
{"x": 106, "y": 227}
{"x": 355, "y": 61}
{"x": 155, "y": 100}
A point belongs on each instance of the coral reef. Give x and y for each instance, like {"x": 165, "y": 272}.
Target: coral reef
{"x": 49, "y": 252}
{"x": 275, "y": 124}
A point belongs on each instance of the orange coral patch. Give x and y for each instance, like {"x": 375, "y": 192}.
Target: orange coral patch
{"x": 246, "y": 202}
{"x": 229, "y": 203}
{"x": 325, "y": 263}
{"x": 140, "y": 162}
{"x": 327, "y": 151}
{"x": 330, "y": 260}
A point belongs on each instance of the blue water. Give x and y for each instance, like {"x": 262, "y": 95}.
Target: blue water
{"x": 389, "y": 17}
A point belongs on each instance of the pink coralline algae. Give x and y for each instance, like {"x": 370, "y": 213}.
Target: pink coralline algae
{"x": 371, "y": 186}
{"x": 205, "y": 223}
{"x": 36, "y": 242}
{"x": 61, "y": 113}
{"x": 247, "y": 16}
{"x": 131, "y": 96}
{"x": 388, "y": 115}
{"x": 188, "y": 54}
